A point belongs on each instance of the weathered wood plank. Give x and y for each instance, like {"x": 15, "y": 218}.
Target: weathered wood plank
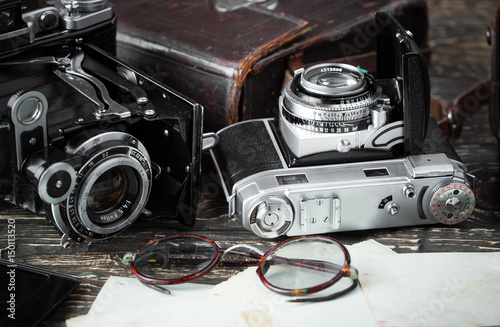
{"x": 460, "y": 58}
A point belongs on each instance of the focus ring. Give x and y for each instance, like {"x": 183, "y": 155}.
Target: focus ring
{"x": 342, "y": 126}
{"x": 300, "y": 107}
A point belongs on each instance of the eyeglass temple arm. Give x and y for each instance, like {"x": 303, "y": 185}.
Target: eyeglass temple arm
{"x": 355, "y": 283}
{"x": 156, "y": 287}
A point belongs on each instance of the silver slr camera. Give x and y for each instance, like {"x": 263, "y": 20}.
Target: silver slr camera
{"x": 347, "y": 152}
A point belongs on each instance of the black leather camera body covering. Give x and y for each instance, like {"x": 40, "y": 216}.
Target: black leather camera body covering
{"x": 88, "y": 141}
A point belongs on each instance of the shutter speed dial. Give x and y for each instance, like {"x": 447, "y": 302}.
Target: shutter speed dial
{"x": 452, "y": 203}
{"x": 271, "y": 216}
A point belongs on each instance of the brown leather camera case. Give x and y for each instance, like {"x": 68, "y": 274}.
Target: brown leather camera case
{"x": 234, "y": 63}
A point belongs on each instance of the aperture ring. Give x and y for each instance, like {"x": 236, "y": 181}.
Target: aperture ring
{"x": 331, "y": 127}
{"x": 356, "y": 107}
{"x": 295, "y": 103}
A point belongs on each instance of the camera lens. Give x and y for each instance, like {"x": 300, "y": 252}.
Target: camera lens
{"x": 330, "y": 98}
{"x": 112, "y": 191}
{"x": 109, "y": 189}
{"x": 336, "y": 80}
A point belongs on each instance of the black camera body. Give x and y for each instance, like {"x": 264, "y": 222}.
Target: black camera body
{"x": 29, "y": 24}
{"x": 348, "y": 152}
{"x": 88, "y": 141}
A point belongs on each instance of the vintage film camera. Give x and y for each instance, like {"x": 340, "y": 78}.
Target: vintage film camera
{"x": 348, "y": 152}
{"x": 86, "y": 140}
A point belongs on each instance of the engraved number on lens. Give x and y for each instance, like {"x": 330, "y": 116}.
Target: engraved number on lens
{"x": 452, "y": 203}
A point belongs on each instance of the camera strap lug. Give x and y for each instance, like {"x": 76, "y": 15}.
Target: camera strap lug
{"x": 156, "y": 170}
{"x": 210, "y": 140}
{"x": 65, "y": 241}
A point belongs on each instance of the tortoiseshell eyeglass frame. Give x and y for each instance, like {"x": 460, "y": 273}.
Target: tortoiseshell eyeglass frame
{"x": 346, "y": 271}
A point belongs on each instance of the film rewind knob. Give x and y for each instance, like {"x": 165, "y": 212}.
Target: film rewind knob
{"x": 271, "y": 216}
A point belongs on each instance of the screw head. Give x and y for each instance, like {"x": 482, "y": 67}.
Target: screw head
{"x": 150, "y": 112}
{"x": 142, "y": 101}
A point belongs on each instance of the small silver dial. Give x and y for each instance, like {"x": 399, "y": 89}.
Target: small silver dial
{"x": 452, "y": 203}
{"x": 271, "y": 216}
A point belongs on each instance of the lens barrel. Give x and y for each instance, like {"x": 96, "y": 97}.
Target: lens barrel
{"x": 112, "y": 186}
{"x": 330, "y": 98}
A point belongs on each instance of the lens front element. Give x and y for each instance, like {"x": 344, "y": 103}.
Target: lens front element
{"x": 115, "y": 186}
{"x": 333, "y": 80}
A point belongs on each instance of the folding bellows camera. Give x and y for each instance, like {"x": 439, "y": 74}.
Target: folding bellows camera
{"x": 348, "y": 151}
{"x": 86, "y": 140}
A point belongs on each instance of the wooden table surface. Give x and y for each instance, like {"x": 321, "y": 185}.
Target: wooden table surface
{"x": 460, "y": 58}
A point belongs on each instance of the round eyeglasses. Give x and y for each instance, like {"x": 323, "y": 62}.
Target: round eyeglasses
{"x": 298, "y": 266}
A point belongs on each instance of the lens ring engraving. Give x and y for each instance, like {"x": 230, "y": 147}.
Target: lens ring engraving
{"x": 333, "y": 79}
{"x": 330, "y": 98}
{"x": 114, "y": 149}
{"x": 126, "y": 211}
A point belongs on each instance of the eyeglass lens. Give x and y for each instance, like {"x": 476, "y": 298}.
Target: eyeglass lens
{"x": 176, "y": 257}
{"x": 303, "y": 263}
{"x": 298, "y": 266}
